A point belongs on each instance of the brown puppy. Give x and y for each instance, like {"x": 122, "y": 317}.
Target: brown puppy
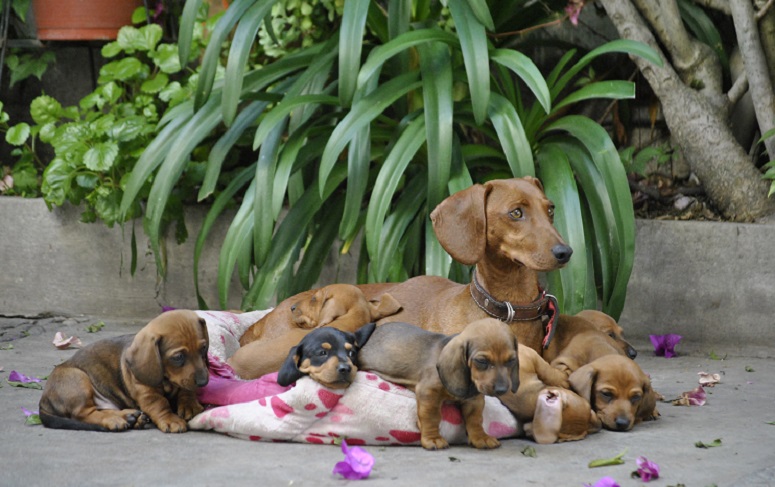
{"x": 112, "y": 384}
{"x": 583, "y": 348}
{"x": 610, "y": 327}
{"x": 342, "y": 306}
{"x": 329, "y": 356}
{"x": 543, "y": 405}
{"x": 481, "y": 360}
{"x": 593, "y": 325}
{"x": 504, "y": 227}
{"x": 618, "y": 390}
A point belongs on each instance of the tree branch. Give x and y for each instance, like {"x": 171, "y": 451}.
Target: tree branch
{"x": 755, "y": 67}
{"x": 720, "y": 5}
{"x": 738, "y": 89}
{"x": 763, "y": 10}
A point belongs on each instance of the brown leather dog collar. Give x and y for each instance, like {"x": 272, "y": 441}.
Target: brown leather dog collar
{"x": 543, "y": 306}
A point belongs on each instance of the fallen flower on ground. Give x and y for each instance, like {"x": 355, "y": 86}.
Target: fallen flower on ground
{"x": 695, "y": 397}
{"x": 604, "y": 482}
{"x": 712, "y": 444}
{"x": 647, "y": 471}
{"x": 357, "y": 463}
{"x": 664, "y": 345}
{"x": 62, "y": 342}
{"x": 709, "y": 380}
{"x": 15, "y": 376}
{"x": 33, "y": 417}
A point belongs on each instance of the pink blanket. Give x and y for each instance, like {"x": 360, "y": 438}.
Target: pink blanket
{"x": 371, "y": 411}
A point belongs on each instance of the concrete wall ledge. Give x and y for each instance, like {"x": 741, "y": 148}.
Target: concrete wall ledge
{"x": 713, "y": 283}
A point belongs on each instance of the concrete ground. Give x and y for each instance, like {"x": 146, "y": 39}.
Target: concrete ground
{"x": 739, "y": 411}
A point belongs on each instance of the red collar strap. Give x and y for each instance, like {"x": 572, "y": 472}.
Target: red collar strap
{"x": 545, "y": 306}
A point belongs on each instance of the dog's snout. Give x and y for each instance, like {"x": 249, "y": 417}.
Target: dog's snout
{"x": 201, "y": 378}
{"x": 632, "y": 353}
{"x": 562, "y": 253}
{"x": 622, "y": 423}
{"x": 344, "y": 368}
{"x": 500, "y": 389}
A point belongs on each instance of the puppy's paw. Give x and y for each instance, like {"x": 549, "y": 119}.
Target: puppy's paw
{"x": 434, "y": 443}
{"x": 485, "y": 442}
{"x": 172, "y": 424}
{"x": 190, "y": 408}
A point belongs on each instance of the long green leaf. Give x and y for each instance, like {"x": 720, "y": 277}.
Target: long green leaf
{"x": 362, "y": 113}
{"x": 221, "y": 148}
{"x": 473, "y": 42}
{"x": 560, "y": 185}
{"x": 389, "y": 176}
{"x": 524, "y": 67}
{"x": 239, "y": 235}
{"x": 358, "y": 159}
{"x": 241, "y": 44}
{"x": 265, "y": 170}
{"x": 482, "y": 13}
{"x": 212, "y": 53}
{"x": 350, "y": 46}
{"x": 284, "y": 109}
{"x": 317, "y": 251}
{"x": 512, "y": 136}
{"x": 186, "y": 31}
{"x": 615, "y": 90}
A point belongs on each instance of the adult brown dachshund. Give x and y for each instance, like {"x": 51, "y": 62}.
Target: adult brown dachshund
{"x": 119, "y": 383}
{"x": 618, "y": 390}
{"x": 503, "y": 227}
{"x": 340, "y": 306}
{"x": 544, "y": 406}
{"x": 481, "y": 360}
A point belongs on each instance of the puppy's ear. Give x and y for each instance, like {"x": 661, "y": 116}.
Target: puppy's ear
{"x": 386, "y": 305}
{"x": 454, "y": 372}
{"x": 289, "y": 371}
{"x": 458, "y": 218}
{"x": 582, "y": 380}
{"x": 535, "y": 181}
{"x": 647, "y": 409}
{"x": 143, "y": 358}
{"x": 332, "y": 309}
{"x": 363, "y": 333}
{"x": 205, "y": 333}
{"x": 515, "y": 370}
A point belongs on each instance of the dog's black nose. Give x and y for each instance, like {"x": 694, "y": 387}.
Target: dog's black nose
{"x": 344, "y": 368}
{"x": 562, "y": 253}
{"x": 500, "y": 390}
{"x": 622, "y": 423}
{"x": 632, "y": 353}
{"x": 201, "y": 379}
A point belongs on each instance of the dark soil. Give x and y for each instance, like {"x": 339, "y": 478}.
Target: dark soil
{"x": 660, "y": 197}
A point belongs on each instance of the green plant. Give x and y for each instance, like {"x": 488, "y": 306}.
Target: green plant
{"x": 338, "y": 127}
{"x": 21, "y": 178}
{"x": 636, "y": 161}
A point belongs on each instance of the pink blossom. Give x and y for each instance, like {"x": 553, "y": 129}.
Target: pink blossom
{"x": 604, "y": 482}
{"x": 357, "y": 463}
{"x": 664, "y": 345}
{"x": 573, "y": 10}
{"x": 647, "y": 470}
{"x": 19, "y": 377}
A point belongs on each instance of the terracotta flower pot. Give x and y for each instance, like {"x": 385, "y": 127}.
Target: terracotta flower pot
{"x": 69, "y": 20}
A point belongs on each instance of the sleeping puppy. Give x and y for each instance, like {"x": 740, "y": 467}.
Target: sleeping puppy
{"x": 119, "y": 383}
{"x": 342, "y": 306}
{"x": 618, "y": 390}
{"x": 584, "y": 348}
{"x": 610, "y": 327}
{"x": 481, "y": 360}
{"x": 327, "y": 355}
{"x": 544, "y": 407}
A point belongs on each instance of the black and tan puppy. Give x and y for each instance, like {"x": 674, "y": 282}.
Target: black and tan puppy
{"x": 122, "y": 382}
{"x": 481, "y": 360}
{"x": 327, "y": 355}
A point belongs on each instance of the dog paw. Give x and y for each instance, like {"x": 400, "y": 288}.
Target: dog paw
{"x": 485, "y": 442}
{"x": 173, "y": 424}
{"x": 189, "y": 409}
{"x": 434, "y": 443}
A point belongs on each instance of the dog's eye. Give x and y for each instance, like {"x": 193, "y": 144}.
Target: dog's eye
{"x": 635, "y": 399}
{"x": 612, "y": 335}
{"x": 516, "y": 213}
{"x": 351, "y": 353}
{"x": 606, "y": 395}
{"x": 481, "y": 363}
{"x": 322, "y": 353}
{"x": 178, "y": 359}
{"x": 511, "y": 362}
{"x": 550, "y": 211}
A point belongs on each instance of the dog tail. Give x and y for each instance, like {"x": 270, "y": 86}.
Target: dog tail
{"x": 58, "y": 422}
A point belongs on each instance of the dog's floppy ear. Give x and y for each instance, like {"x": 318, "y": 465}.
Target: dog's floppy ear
{"x": 582, "y": 380}
{"x": 454, "y": 372}
{"x": 143, "y": 358}
{"x": 386, "y": 305}
{"x": 205, "y": 333}
{"x": 289, "y": 371}
{"x": 459, "y": 217}
{"x": 535, "y": 181}
{"x": 647, "y": 409}
{"x": 363, "y": 333}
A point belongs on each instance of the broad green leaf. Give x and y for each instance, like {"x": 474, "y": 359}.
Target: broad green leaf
{"x": 512, "y": 136}
{"x": 473, "y": 42}
{"x": 524, "y": 67}
{"x": 123, "y": 70}
{"x": 101, "y": 156}
{"x": 45, "y": 109}
{"x": 18, "y": 134}
{"x": 363, "y": 112}
{"x": 167, "y": 59}
{"x": 155, "y": 84}
{"x": 350, "y": 46}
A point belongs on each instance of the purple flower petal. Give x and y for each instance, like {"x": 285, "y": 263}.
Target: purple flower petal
{"x": 604, "y": 482}
{"x": 664, "y": 345}
{"x": 19, "y": 377}
{"x": 164, "y": 309}
{"x": 647, "y": 470}
{"x": 357, "y": 463}
{"x": 27, "y": 412}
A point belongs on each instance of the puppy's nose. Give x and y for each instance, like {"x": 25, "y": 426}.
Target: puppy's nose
{"x": 632, "y": 353}
{"x": 500, "y": 389}
{"x": 344, "y": 368}
{"x": 562, "y": 253}
{"x": 622, "y": 423}
{"x": 202, "y": 379}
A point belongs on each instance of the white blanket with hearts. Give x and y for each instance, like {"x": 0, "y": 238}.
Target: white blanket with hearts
{"x": 371, "y": 411}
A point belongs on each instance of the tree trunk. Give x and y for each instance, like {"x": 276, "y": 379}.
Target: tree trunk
{"x": 700, "y": 129}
